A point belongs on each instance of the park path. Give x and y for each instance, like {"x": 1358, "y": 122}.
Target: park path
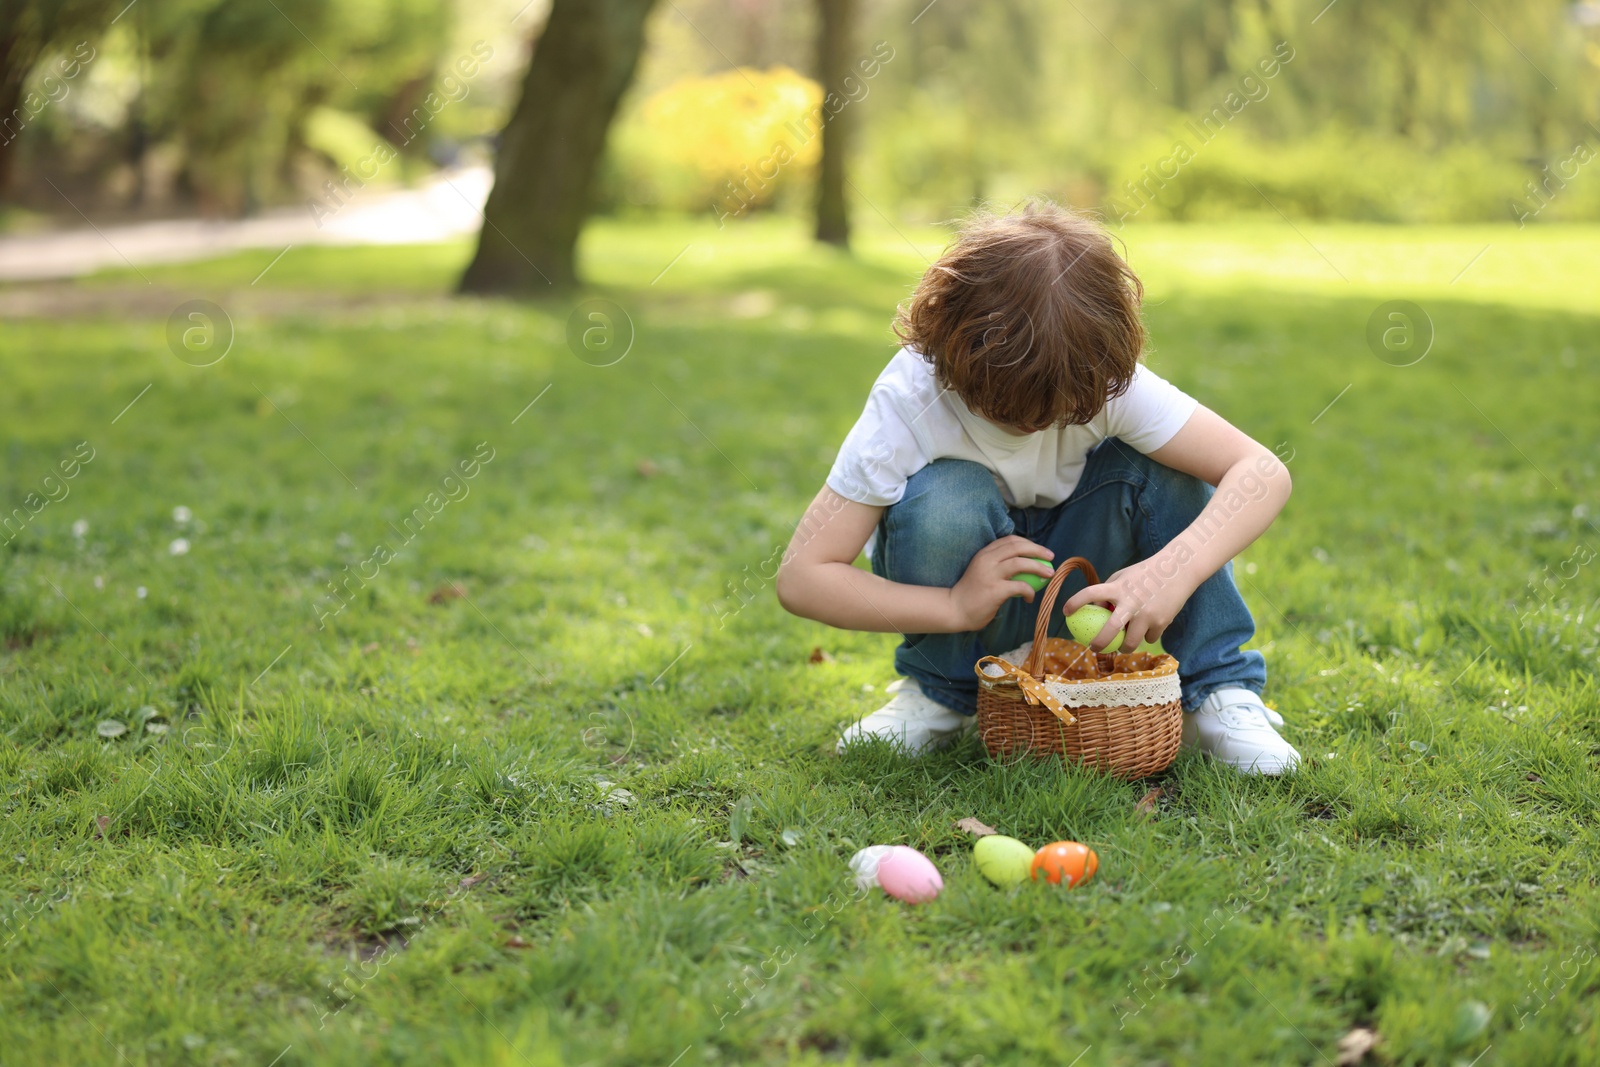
{"x": 447, "y": 205}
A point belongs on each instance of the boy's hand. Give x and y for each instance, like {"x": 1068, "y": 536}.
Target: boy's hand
{"x": 1141, "y": 600}
{"x": 989, "y": 583}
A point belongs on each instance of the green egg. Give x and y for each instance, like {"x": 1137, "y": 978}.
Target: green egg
{"x": 1034, "y": 580}
{"x": 1003, "y": 860}
{"x": 1088, "y": 621}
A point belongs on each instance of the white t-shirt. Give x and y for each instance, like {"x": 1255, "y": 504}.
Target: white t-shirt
{"x": 909, "y": 422}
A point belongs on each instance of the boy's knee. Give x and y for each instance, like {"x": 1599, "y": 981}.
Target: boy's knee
{"x": 960, "y": 479}
{"x": 1117, "y": 453}
{"x": 956, "y": 497}
{"x": 1153, "y": 472}
{"x": 950, "y": 510}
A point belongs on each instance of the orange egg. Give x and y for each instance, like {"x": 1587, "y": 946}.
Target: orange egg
{"x": 1065, "y": 861}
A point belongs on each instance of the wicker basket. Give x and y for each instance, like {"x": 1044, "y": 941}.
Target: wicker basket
{"x": 1119, "y": 713}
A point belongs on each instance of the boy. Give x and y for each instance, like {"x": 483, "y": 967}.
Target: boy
{"x": 1018, "y": 422}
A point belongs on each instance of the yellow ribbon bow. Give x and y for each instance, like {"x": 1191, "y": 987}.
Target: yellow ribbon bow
{"x": 1033, "y": 690}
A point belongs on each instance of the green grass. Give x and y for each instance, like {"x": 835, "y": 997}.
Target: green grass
{"x": 393, "y": 840}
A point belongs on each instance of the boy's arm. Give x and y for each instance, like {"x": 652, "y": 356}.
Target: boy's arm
{"x": 818, "y": 579}
{"x": 1252, "y": 487}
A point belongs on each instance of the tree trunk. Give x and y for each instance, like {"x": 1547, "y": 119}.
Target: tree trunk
{"x": 550, "y": 149}
{"x": 28, "y": 29}
{"x": 10, "y": 99}
{"x": 833, "y": 66}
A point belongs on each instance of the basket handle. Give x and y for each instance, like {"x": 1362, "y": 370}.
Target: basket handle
{"x": 1047, "y": 606}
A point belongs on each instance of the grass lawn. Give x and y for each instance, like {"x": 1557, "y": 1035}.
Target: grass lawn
{"x": 553, "y": 784}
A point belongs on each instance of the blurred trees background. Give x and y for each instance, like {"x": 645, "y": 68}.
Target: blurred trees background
{"x": 836, "y": 20}
{"x": 1409, "y": 110}
{"x": 224, "y": 106}
{"x": 28, "y": 32}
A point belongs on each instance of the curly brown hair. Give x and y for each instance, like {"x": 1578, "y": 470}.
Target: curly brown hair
{"x": 1031, "y": 318}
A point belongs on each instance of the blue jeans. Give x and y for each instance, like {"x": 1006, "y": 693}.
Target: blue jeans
{"x": 1126, "y": 508}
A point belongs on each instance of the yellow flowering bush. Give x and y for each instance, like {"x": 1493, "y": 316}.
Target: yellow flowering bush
{"x": 726, "y": 142}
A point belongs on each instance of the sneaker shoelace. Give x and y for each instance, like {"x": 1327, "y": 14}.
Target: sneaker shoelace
{"x": 908, "y": 700}
{"x": 1245, "y": 716}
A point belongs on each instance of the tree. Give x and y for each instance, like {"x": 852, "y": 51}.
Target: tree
{"x": 833, "y": 66}
{"x": 229, "y": 87}
{"x": 261, "y": 80}
{"x": 550, "y": 148}
{"x": 28, "y": 30}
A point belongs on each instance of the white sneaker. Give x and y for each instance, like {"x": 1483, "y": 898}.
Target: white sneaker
{"x": 911, "y": 720}
{"x": 1232, "y": 725}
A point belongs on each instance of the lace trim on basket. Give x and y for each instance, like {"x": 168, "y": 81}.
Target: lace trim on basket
{"x": 1135, "y": 692}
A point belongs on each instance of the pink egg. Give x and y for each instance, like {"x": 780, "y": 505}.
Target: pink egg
{"x": 908, "y": 875}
